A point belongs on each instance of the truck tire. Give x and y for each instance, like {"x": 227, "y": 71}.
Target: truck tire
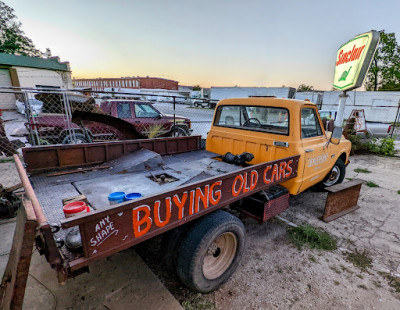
{"x": 79, "y": 138}
{"x": 211, "y": 251}
{"x": 179, "y": 132}
{"x": 336, "y": 175}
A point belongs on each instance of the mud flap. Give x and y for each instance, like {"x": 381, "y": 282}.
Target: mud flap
{"x": 342, "y": 199}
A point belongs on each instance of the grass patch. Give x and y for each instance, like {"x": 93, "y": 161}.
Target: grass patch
{"x": 359, "y": 259}
{"x": 361, "y": 170}
{"x": 312, "y": 237}
{"x": 362, "y": 286}
{"x": 336, "y": 282}
{"x": 197, "y": 301}
{"x": 371, "y": 184}
{"x": 6, "y": 160}
{"x": 312, "y": 258}
{"x": 392, "y": 281}
{"x": 398, "y": 192}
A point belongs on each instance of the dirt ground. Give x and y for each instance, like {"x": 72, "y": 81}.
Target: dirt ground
{"x": 274, "y": 274}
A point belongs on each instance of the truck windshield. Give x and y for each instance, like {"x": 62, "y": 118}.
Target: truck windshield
{"x": 256, "y": 118}
{"x": 145, "y": 110}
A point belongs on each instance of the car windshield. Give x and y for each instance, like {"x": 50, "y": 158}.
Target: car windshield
{"x": 267, "y": 119}
{"x": 145, "y": 110}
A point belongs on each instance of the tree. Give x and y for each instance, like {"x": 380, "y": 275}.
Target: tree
{"x": 196, "y": 87}
{"x": 384, "y": 72}
{"x": 12, "y": 39}
{"x": 304, "y": 87}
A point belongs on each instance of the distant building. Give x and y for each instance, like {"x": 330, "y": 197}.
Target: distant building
{"x": 24, "y": 71}
{"x": 100, "y": 84}
{"x": 218, "y": 93}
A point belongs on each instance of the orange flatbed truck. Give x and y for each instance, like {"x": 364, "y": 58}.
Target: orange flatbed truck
{"x": 257, "y": 152}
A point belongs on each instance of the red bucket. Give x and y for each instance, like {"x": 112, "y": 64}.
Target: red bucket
{"x": 75, "y": 208}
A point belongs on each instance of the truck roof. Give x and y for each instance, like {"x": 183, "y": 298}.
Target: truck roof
{"x": 265, "y": 102}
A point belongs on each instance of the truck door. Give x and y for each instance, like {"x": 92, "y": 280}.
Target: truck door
{"x": 317, "y": 160}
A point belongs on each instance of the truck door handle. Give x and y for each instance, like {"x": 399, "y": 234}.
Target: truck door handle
{"x": 309, "y": 150}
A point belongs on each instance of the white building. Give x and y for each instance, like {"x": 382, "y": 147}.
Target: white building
{"x": 218, "y": 93}
{"x": 24, "y": 71}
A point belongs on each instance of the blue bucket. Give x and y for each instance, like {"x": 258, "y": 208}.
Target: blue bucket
{"x": 132, "y": 196}
{"x": 116, "y": 197}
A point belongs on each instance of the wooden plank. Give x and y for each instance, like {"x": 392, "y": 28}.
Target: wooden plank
{"x": 339, "y": 187}
{"x": 12, "y": 289}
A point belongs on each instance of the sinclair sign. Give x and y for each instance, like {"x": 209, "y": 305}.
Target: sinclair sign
{"x": 353, "y": 60}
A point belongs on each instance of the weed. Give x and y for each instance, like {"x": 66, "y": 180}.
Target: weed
{"x": 360, "y": 276}
{"x": 314, "y": 238}
{"x": 197, "y": 301}
{"x": 398, "y": 192}
{"x": 371, "y": 184}
{"x": 361, "y": 170}
{"x": 392, "y": 280}
{"x": 6, "y": 160}
{"x": 312, "y": 258}
{"x": 377, "y": 283}
{"x": 259, "y": 270}
{"x": 335, "y": 269}
{"x": 362, "y": 286}
{"x": 336, "y": 282}
{"x": 279, "y": 270}
{"x": 349, "y": 179}
{"x": 359, "y": 259}
{"x": 346, "y": 269}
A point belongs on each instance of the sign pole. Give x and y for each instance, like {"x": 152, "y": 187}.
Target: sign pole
{"x": 340, "y": 112}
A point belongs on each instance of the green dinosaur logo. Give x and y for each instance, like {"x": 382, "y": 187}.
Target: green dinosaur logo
{"x": 344, "y": 75}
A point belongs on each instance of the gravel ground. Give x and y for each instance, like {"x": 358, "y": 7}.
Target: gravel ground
{"x": 274, "y": 274}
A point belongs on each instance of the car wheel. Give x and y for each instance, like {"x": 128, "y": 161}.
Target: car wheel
{"x": 336, "y": 175}
{"x": 179, "y": 132}
{"x": 79, "y": 138}
{"x": 211, "y": 251}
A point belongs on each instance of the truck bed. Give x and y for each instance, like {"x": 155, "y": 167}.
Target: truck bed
{"x": 130, "y": 173}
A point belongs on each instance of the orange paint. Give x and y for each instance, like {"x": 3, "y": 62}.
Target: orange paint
{"x": 234, "y": 191}
{"x": 282, "y": 167}
{"x": 289, "y": 169}
{"x": 275, "y": 174}
{"x": 137, "y": 222}
{"x": 253, "y": 179}
{"x": 157, "y": 218}
{"x": 267, "y": 181}
{"x": 203, "y": 197}
{"x": 180, "y": 203}
{"x": 218, "y": 193}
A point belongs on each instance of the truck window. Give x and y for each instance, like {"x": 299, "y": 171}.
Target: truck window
{"x": 145, "y": 110}
{"x": 124, "y": 110}
{"x": 255, "y": 118}
{"x": 310, "y": 126}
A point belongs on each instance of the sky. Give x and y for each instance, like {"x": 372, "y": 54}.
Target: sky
{"x": 207, "y": 43}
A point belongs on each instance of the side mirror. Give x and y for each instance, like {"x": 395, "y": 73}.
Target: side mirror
{"x": 336, "y": 135}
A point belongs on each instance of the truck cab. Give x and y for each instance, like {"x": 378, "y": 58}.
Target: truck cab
{"x": 271, "y": 129}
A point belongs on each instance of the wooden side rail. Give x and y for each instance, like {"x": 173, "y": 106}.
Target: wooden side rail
{"x": 13, "y": 283}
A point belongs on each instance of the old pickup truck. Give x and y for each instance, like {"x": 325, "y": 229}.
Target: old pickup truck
{"x": 257, "y": 152}
{"x": 53, "y": 128}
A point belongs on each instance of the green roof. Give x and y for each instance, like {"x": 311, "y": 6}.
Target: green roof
{"x": 32, "y": 62}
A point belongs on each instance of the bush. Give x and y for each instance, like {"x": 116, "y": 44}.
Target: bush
{"x": 383, "y": 146}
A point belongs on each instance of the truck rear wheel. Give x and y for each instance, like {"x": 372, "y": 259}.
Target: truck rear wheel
{"x": 179, "y": 132}
{"x": 211, "y": 251}
{"x": 79, "y": 138}
{"x": 336, "y": 175}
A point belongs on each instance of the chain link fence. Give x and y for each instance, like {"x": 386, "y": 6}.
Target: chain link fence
{"x": 51, "y": 116}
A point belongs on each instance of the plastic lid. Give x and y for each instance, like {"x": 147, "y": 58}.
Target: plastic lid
{"x": 131, "y": 196}
{"x": 74, "y": 207}
{"x": 116, "y": 196}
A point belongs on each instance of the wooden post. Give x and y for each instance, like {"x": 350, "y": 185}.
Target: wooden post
{"x": 13, "y": 283}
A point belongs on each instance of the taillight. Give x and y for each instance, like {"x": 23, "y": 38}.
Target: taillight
{"x": 389, "y": 129}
